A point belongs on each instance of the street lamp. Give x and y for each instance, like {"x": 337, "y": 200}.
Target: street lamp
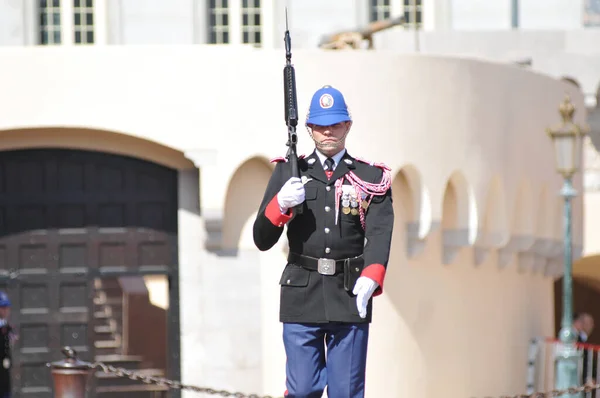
{"x": 568, "y": 141}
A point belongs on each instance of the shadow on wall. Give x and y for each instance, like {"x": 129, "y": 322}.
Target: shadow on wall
{"x": 244, "y": 194}
{"x": 459, "y": 216}
{"x": 523, "y": 228}
{"x": 396, "y": 321}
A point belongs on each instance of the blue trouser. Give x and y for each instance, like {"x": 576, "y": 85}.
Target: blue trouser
{"x": 308, "y": 371}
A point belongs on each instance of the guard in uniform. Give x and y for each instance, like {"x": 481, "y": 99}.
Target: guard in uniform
{"x": 338, "y": 253}
{"x": 7, "y": 336}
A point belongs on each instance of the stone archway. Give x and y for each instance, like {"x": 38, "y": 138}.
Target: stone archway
{"x": 82, "y": 210}
{"x": 586, "y": 293}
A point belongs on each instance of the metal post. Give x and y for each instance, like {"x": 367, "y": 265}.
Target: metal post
{"x": 70, "y": 376}
{"x": 567, "y": 356}
{"x": 515, "y": 14}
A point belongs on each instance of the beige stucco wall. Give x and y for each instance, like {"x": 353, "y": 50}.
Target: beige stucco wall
{"x": 592, "y": 226}
{"x": 472, "y": 267}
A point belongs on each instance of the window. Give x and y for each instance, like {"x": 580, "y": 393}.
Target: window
{"x": 379, "y": 10}
{"x": 69, "y": 22}
{"x": 251, "y": 26}
{"x": 219, "y": 22}
{"x": 50, "y": 22}
{"x": 384, "y": 9}
{"x": 412, "y": 13}
{"x": 591, "y": 13}
{"x": 83, "y": 21}
{"x": 236, "y": 22}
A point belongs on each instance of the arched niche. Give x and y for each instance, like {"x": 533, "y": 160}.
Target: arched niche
{"x": 494, "y": 228}
{"x": 494, "y": 232}
{"x": 556, "y": 250}
{"x": 411, "y": 209}
{"x": 244, "y": 194}
{"x": 571, "y": 80}
{"x": 523, "y": 218}
{"x": 459, "y": 216}
{"x": 522, "y": 223}
{"x": 544, "y": 247}
{"x": 94, "y": 140}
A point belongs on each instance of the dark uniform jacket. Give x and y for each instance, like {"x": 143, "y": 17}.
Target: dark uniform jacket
{"x": 308, "y": 296}
{"x": 6, "y": 332}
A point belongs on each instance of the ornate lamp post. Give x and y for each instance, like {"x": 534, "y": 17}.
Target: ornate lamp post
{"x": 567, "y": 139}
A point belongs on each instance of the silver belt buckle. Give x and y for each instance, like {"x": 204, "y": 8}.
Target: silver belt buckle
{"x": 326, "y": 266}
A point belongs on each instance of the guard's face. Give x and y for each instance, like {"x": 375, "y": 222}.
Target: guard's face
{"x": 4, "y": 312}
{"x": 330, "y": 138}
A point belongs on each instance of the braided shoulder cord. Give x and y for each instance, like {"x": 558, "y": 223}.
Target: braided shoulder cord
{"x": 363, "y": 187}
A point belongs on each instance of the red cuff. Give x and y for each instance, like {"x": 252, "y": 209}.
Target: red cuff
{"x": 274, "y": 215}
{"x": 377, "y": 273}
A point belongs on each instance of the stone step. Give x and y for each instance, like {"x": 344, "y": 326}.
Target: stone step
{"x": 109, "y": 351}
{"x": 109, "y": 379}
{"x": 120, "y": 360}
{"x": 110, "y": 301}
{"x": 102, "y": 336}
{"x": 102, "y": 325}
{"x": 101, "y": 315}
{"x": 107, "y": 347}
{"x": 107, "y": 343}
{"x": 107, "y": 313}
{"x": 132, "y": 391}
{"x": 104, "y": 328}
{"x": 106, "y": 283}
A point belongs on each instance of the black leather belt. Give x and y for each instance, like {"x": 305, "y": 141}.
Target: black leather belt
{"x": 324, "y": 266}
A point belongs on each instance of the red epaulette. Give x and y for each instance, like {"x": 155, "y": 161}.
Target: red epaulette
{"x": 380, "y": 165}
{"x": 283, "y": 159}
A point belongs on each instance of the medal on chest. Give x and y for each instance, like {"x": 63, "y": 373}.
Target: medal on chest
{"x": 6, "y": 363}
{"x": 355, "y": 197}
{"x": 349, "y": 200}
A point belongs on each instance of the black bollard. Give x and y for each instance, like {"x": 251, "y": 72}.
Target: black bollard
{"x": 70, "y": 375}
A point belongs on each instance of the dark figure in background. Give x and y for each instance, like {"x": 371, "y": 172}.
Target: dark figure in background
{"x": 7, "y": 335}
{"x": 584, "y": 326}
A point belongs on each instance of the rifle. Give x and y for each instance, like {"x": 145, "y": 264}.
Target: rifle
{"x": 291, "y": 106}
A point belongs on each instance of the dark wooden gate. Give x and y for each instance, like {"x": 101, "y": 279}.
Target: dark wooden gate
{"x": 68, "y": 217}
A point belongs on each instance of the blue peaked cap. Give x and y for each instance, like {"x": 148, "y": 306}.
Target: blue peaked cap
{"x": 327, "y": 107}
{"x": 4, "y": 301}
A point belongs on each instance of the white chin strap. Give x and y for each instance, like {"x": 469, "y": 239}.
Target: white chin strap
{"x": 328, "y": 145}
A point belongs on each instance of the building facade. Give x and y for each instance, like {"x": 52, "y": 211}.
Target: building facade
{"x": 123, "y": 88}
{"x": 260, "y": 22}
{"x": 477, "y": 231}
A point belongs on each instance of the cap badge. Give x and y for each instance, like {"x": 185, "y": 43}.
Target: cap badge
{"x": 326, "y": 101}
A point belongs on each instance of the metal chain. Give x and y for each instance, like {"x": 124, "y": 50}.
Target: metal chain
{"x": 122, "y": 372}
{"x": 555, "y": 393}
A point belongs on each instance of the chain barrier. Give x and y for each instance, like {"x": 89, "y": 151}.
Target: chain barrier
{"x": 223, "y": 393}
{"x": 122, "y": 372}
{"x": 554, "y": 393}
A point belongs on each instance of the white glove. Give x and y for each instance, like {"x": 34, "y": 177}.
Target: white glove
{"x": 291, "y": 194}
{"x": 363, "y": 289}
